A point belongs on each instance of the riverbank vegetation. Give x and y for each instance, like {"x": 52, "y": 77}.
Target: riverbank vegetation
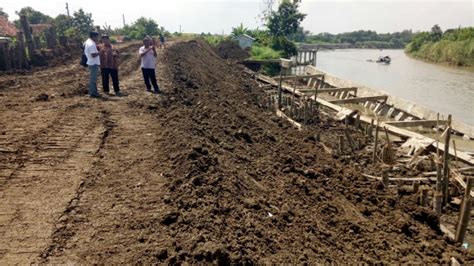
{"x": 454, "y": 46}
{"x": 356, "y": 39}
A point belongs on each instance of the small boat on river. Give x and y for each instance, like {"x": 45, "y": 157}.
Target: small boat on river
{"x": 384, "y": 60}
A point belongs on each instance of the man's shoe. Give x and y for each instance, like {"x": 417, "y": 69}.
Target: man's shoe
{"x": 118, "y": 94}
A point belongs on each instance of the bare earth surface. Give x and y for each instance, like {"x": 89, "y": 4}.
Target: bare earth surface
{"x": 202, "y": 173}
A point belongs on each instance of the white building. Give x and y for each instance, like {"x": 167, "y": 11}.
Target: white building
{"x": 244, "y": 41}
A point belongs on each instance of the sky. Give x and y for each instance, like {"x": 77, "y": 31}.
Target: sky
{"x": 217, "y": 16}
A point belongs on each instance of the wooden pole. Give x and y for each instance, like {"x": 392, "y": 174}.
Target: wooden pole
{"x": 438, "y": 203}
{"x": 349, "y": 139}
{"x": 374, "y": 155}
{"x": 316, "y": 94}
{"x": 37, "y": 42}
{"x": 385, "y": 179}
{"x": 7, "y": 54}
{"x": 21, "y": 50}
{"x": 455, "y": 153}
{"x": 279, "y": 87}
{"x": 371, "y": 128}
{"x": 28, "y": 37}
{"x": 357, "y": 122}
{"x": 424, "y": 196}
{"x": 341, "y": 144}
{"x": 465, "y": 213}
{"x": 446, "y": 162}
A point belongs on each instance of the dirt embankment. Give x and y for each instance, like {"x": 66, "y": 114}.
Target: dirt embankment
{"x": 231, "y": 50}
{"x": 200, "y": 174}
{"x": 243, "y": 186}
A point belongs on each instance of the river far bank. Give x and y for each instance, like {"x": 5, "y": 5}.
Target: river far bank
{"x": 452, "y": 47}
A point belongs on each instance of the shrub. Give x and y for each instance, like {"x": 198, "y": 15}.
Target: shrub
{"x": 263, "y": 52}
{"x": 287, "y": 47}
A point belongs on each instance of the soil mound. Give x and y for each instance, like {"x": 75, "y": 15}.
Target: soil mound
{"x": 231, "y": 50}
{"x": 244, "y": 187}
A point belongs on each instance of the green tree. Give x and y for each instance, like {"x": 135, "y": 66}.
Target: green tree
{"x": 145, "y": 26}
{"x": 62, "y": 23}
{"x": 33, "y": 16}
{"x": 436, "y": 33}
{"x": 239, "y": 30}
{"x": 82, "y": 22}
{"x": 141, "y": 28}
{"x": 286, "y": 20}
{"x": 3, "y": 13}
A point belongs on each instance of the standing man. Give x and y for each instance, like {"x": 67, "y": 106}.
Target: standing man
{"x": 148, "y": 61}
{"x": 93, "y": 62}
{"x": 162, "y": 41}
{"x": 109, "y": 66}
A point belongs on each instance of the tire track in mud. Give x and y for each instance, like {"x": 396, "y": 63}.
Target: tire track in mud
{"x": 47, "y": 157}
{"x": 119, "y": 178}
{"x": 31, "y": 200}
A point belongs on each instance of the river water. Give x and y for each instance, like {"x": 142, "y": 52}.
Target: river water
{"x": 448, "y": 90}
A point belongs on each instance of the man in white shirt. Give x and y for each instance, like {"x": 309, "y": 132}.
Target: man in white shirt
{"x": 148, "y": 61}
{"x": 93, "y": 62}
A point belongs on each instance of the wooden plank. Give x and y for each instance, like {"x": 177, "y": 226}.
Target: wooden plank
{"x": 260, "y": 61}
{"x": 329, "y": 90}
{"x": 461, "y": 182}
{"x": 293, "y": 122}
{"x": 415, "y": 123}
{"x": 360, "y": 99}
{"x": 298, "y": 77}
{"x": 401, "y": 179}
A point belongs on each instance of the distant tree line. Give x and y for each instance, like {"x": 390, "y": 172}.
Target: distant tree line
{"x": 81, "y": 23}
{"x": 453, "y": 46}
{"x": 356, "y": 39}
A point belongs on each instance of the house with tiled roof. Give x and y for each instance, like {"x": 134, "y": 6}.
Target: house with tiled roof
{"x": 7, "y": 29}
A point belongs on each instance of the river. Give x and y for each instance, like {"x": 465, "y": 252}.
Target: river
{"x": 448, "y": 90}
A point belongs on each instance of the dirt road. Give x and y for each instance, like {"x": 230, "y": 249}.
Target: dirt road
{"x": 202, "y": 173}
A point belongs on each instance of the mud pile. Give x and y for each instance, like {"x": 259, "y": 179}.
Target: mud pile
{"x": 231, "y": 50}
{"x": 244, "y": 186}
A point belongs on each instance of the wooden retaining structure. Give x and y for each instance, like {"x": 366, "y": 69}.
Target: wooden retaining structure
{"x": 26, "y": 49}
{"x": 416, "y": 139}
{"x": 439, "y": 198}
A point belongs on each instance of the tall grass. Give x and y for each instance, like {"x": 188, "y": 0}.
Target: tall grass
{"x": 214, "y": 40}
{"x": 263, "y": 52}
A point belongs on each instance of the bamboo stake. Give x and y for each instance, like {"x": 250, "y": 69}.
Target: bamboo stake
{"x": 385, "y": 179}
{"x": 279, "y": 87}
{"x": 341, "y": 144}
{"x": 446, "y": 162}
{"x": 374, "y": 156}
{"x": 465, "y": 213}
{"x": 424, "y": 196}
{"x": 349, "y": 139}
{"x": 455, "y": 153}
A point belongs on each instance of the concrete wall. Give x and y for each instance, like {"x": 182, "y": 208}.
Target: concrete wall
{"x": 399, "y": 103}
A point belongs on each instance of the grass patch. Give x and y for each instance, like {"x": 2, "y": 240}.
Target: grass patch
{"x": 263, "y": 53}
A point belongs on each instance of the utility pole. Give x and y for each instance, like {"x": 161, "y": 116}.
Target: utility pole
{"x": 123, "y": 19}
{"x": 180, "y": 29}
{"x": 67, "y": 9}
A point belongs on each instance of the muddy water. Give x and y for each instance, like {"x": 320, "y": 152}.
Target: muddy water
{"x": 448, "y": 90}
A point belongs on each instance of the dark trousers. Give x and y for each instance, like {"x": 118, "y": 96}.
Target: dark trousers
{"x": 150, "y": 76}
{"x": 106, "y": 72}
